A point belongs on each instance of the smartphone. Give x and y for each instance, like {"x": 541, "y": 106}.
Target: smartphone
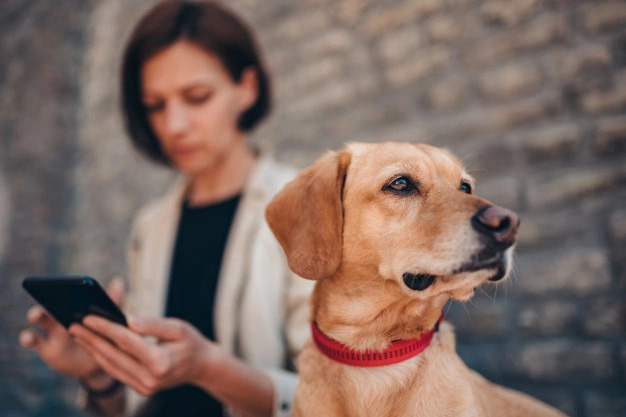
{"x": 70, "y": 298}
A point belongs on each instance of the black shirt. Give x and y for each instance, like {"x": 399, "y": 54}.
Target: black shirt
{"x": 196, "y": 262}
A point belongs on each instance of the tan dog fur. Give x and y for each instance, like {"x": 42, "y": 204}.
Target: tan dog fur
{"x": 339, "y": 224}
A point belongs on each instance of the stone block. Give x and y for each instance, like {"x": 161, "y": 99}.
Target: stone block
{"x": 397, "y": 45}
{"x": 610, "y": 135}
{"x": 605, "y": 316}
{"x": 503, "y": 190}
{"x": 555, "y": 140}
{"x": 607, "y": 403}
{"x": 525, "y": 111}
{"x": 330, "y": 42}
{"x": 622, "y": 357}
{"x": 418, "y": 66}
{"x": 298, "y": 26}
{"x": 484, "y": 357}
{"x": 447, "y": 27}
{"x": 578, "y": 271}
{"x": 446, "y": 94}
{"x": 311, "y": 76}
{"x": 544, "y": 227}
{"x": 548, "y": 318}
{"x": 606, "y": 99}
{"x": 542, "y": 31}
{"x": 604, "y": 16}
{"x": 382, "y": 19}
{"x": 560, "y": 360}
{"x": 483, "y": 316}
{"x": 567, "y": 63}
{"x": 509, "y": 81}
{"x": 484, "y": 159}
{"x": 617, "y": 225}
{"x": 568, "y": 184}
{"x": 508, "y": 13}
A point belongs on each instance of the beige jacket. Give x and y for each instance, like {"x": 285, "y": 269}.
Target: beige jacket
{"x": 261, "y": 308}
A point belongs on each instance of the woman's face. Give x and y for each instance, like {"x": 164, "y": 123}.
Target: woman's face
{"x": 193, "y": 105}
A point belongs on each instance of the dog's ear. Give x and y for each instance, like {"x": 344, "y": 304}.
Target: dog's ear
{"x": 307, "y": 217}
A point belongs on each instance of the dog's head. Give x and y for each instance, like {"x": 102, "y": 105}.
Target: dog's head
{"x": 403, "y": 211}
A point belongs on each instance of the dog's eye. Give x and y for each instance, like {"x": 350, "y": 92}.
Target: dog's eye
{"x": 466, "y": 187}
{"x": 401, "y": 185}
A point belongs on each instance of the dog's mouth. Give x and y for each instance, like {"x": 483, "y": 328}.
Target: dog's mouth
{"x": 488, "y": 258}
{"x": 485, "y": 260}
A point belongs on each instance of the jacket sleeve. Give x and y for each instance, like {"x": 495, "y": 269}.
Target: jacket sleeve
{"x": 296, "y": 322}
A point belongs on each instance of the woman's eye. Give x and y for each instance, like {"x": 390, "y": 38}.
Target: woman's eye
{"x": 198, "y": 98}
{"x": 153, "y": 107}
{"x": 466, "y": 188}
{"x": 401, "y": 185}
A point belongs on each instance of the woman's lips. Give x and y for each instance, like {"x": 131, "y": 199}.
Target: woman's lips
{"x": 184, "y": 150}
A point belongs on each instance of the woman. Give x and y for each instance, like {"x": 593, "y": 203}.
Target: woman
{"x": 192, "y": 86}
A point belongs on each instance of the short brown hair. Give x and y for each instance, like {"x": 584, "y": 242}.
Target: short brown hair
{"x": 206, "y": 24}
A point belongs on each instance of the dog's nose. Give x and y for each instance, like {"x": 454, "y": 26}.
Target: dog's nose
{"x": 498, "y": 223}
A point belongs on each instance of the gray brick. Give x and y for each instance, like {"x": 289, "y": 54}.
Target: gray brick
{"x": 525, "y": 111}
{"x": 610, "y": 135}
{"x": 622, "y": 357}
{"x": 561, "y": 360}
{"x": 484, "y": 316}
{"x": 605, "y": 316}
{"x": 331, "y": 42}
{"x": 310, "y": 77}
{"x": 539, "y": 32}
{"x": 548, "y": 318}
{"x": 509, "y": 81}
{"x": 572, "y": 184}
{"x": 565, "y": 64}
{"x": 502, "y": 190}
{"x": 573, "y": 271}
{"x": 555, "y": 140}
{"x": 447, "y": 27}
{"x": 605, "y": 15}
{"x": 560, "y": 226}
{"x": 606, "y": 404}
{"x": 506, "y": 12}
{"x": 382, "y": 19}
{"x": 419, "y": 66}
{"x": 397, "y": 45}
{"x": 299, "y": 26}
{"x": 617, "y": 225}
{"x": 614, "y": 98}
{"x": 446, "y": 94}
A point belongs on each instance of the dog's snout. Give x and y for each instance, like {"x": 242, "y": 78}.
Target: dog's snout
{"x": 498, "y": 223}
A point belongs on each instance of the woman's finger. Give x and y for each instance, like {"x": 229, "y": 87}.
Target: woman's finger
{"x": 112, "y": 369}
{"x": 127, "y": 340}
{"x": 39, "y": 316}
{"x": 163, "y": 328}
{"x": 31, "y": 339}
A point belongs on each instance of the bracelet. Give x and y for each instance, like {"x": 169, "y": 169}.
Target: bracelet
{"x": 111, "y": 389}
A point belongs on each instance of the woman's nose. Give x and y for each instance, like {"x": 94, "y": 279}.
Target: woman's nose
{"x": 176, "y": 119}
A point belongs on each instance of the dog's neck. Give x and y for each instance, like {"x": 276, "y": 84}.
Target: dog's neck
{"x": 370, "y": 313}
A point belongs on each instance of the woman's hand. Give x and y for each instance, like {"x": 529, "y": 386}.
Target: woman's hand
{"x": 56, "y": 347}
{"x": 180, "y": 356}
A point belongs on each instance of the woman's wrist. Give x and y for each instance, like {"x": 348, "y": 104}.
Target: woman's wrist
{"x": 208, "y": 369}
{"x": 99, "y": 382}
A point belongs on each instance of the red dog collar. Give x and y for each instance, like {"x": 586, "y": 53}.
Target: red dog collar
{"x": 397, "y": 351}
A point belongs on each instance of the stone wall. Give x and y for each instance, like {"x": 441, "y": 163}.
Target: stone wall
{"x": 530, "y": 93}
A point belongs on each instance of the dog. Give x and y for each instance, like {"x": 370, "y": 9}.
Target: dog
{"x": 390, "y": 232}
